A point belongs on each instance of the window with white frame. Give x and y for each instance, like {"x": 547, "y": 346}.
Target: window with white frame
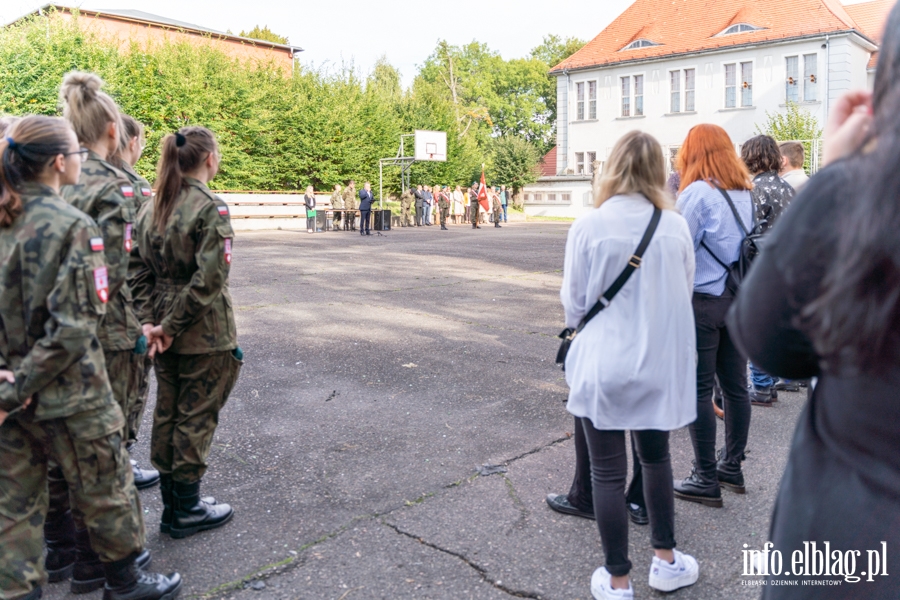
{"x": 538, "y": 197}
{"x": 797, "y": 89}
{"x": 552, "y": 197}
{"x": 626, "y": 96}
{"x": 641, "y": 43}
{"x": 638, "y": 95}
{"x": 566, "y": 198}
{"x": 690, "y": 84}
{"x": 579, "y": 101}
{"x": 589, "y": 158}
{"x": 746, "y": 84}
{"x": 674, "y": 91}
{"x": 730, "y": 85}
{"x": 792, "y": 79}
{"x": 592, "y": 99}
{"x": 739, "y": 28}
{"x": 810, "y": 74}
{"x": 579, "y": 163}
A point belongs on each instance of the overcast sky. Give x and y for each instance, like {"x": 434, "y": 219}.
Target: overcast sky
{"x": 332, "y": 31}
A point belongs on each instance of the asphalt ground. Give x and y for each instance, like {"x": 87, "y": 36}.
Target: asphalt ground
{"x": 379, "y": 373}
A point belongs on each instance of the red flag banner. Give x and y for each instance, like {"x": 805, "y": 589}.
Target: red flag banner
{"x": 483, "y": 196}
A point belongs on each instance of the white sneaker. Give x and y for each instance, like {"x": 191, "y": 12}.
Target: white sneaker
{"x": 667, "y": 577}
{"x": 602, "y": 589}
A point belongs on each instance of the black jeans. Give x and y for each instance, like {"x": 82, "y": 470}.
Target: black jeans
{"x": 364, "y": 220}
{"x": 609, "y": 468}
{"x": 581, "y": 494}
{"x": 717, "y": 355}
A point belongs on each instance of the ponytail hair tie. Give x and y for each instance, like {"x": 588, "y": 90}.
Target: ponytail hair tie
{"x": 180, "y": 140}
{"x": 12, "y": 143}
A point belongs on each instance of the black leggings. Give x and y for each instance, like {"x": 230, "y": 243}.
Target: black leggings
{"x": 581, "y": 494}
{"x": 609, "y": 468}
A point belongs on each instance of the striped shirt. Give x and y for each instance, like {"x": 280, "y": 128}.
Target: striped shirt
{"x": 711, "y": 221}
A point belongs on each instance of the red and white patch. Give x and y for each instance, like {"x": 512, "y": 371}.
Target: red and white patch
{"x": 228, "y": 251}
{"x": 223, "y": 210}
{"x": 101, "y": 283}
{"x": 128, "y": 243}
{"x": 128, "y": 191}
{"x": 146, "y": 191}
{"x": 97, "y": 244}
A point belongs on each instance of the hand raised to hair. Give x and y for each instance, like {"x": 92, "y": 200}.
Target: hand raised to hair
{"x": 848, "y": 124}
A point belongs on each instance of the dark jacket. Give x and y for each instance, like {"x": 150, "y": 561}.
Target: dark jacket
{"x": 365, "y": 200}
{"x": 310, "y": 202}
{"x": 420, "y": 198}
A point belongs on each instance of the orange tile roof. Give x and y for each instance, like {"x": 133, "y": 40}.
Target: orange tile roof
{"x": 547, "y": 166}
{"x": 871, "y": 16}
{"x": 686, "y": 26}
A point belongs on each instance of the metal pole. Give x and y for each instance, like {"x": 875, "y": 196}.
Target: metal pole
{"x": 380, "y": 187}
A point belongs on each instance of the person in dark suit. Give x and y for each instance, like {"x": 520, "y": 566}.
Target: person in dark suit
{"x": 365, "y": 208}
{"x": 420, "y": 204}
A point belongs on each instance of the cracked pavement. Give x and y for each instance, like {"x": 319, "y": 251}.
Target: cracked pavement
{"x": 379, "y": 373}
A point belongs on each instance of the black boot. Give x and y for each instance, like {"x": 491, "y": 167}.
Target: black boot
{"x": 698, "y": 488}
{"x": 144, "y": 478}
{"x": 59, "y": 537}
{"x": 165, "y": 487}
{"x": 731, "y": 476}
{"x": 88, "y": 574}
{"x": 192, "y": 515}
{"x": 125, "y": 580}
{"x": 35, "y": 594}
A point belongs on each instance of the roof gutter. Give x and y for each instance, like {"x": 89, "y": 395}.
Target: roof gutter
{"x": 862, "y": 40}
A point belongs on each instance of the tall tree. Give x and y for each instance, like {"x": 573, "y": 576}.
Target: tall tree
{"x": 264, "y": 33}
{"x": 514, "y": 162}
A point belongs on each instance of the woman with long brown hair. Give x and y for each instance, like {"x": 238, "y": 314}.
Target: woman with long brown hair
{"x": 183, "y": 247}
{"x": 620, "y": 374}
{"x": 715, "y": 193}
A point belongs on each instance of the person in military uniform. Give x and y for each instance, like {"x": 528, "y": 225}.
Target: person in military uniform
{"x": 406, "y": 202}
{"x": 350, "y": 205}
{"x": 444, "y": 207}
{"x": 131, "y": 146}
{"x": 337, "y": 204}
{"x": 184, "y": 250}
{"x": 106, "y": 195}
{"x": 473, "y": 204}
{"x": 419, "y": 195}
{"x": 56, "y": 402}
{"x": 497, "y": 208}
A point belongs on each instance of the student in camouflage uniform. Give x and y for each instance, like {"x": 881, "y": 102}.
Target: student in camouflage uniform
{"x": 350, "y": 204}
{"x": 497, "y": 208}
{"x": 104, "y": 194}
{"x": 56, "y": 402}
{"x": 337, "y": 203}
{"x": 131, "y": 147}
{"x": 183, "y": 245}
{"x": 444, "y": 207}
{"x": 406, "y": 202}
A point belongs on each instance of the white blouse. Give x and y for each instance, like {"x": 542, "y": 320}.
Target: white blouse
{"x": 634, "y": 364}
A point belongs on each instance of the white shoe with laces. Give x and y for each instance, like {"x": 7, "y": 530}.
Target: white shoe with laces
{"x": 667, "y": 577}
{"x": 601, "y": 587}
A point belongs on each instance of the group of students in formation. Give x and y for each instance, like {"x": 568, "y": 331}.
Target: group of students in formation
{"x": 100, "y": 281}
{"x": 422, "y": 206}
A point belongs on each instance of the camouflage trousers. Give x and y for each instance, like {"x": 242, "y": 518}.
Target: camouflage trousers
{"x": 127, "y": 376}
{"x": 406, "y": 217}
{"x": 445, "y": 212}
{"x": 191, "y": 390}
{"x": 89, "y": 451}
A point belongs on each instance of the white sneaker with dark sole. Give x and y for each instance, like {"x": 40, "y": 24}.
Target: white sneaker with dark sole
{"x": 602, "y": 589}
{"x": 667, "y": 577}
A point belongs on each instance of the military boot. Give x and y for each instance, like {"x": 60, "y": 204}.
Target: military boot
{"x": 144, "y": 478}
{"x": 59, "y": 537}
{"x": 88, "y": 573}
{"x": 165, "y": 488}
{"x": 125, "y": 580}
{"x": 191, "y": 514}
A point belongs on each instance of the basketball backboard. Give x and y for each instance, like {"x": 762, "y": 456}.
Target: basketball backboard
{"x": 431, "y": 145}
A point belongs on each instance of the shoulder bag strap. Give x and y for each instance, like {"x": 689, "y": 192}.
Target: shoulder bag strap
{"x": 633, "y": 263}
{"x": 740, "y": 223}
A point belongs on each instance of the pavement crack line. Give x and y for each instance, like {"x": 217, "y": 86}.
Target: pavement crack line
{"x": 482, "y": 572}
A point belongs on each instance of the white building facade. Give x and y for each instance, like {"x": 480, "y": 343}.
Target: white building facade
{"x": 734, "y": 86}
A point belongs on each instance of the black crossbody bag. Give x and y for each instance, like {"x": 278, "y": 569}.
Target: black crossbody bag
{"x": 568, "y": 334}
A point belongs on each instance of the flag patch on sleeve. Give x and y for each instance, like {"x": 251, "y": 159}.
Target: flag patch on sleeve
{"x": 101, "y": 283}
{"x": 146, "y": 191}
{"x": 228, "y": 251}
{"x": 128, "y": 191}
{"x": 223, "y": 210}
{"x": 128, "y": 244}
{"x": 97, "y": 244}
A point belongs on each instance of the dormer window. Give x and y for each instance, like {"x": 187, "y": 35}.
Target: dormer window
{"x": 641, "y": 43}
{"x": 740, "y": 28}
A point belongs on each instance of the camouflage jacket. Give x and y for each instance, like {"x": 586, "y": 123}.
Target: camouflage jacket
{"x": 406, "y": 200}
{"x": 495, "y": 203}
{"x": 53, "y": 292}
{"x": 181, "y": 275}
{"x": 106, "y": 195}
{"x": 443, "y": 201}
{"x": 142, "y": 190}
{"x": 336, "y": 200}
{"x": 350, "y": 201}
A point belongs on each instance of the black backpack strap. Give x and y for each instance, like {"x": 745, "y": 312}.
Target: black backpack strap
{"x": 633, "y": 263}
{"x": 716, "y": 258}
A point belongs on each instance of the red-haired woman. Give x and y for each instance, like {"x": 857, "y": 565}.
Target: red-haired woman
{"x": 715, "y": 192}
